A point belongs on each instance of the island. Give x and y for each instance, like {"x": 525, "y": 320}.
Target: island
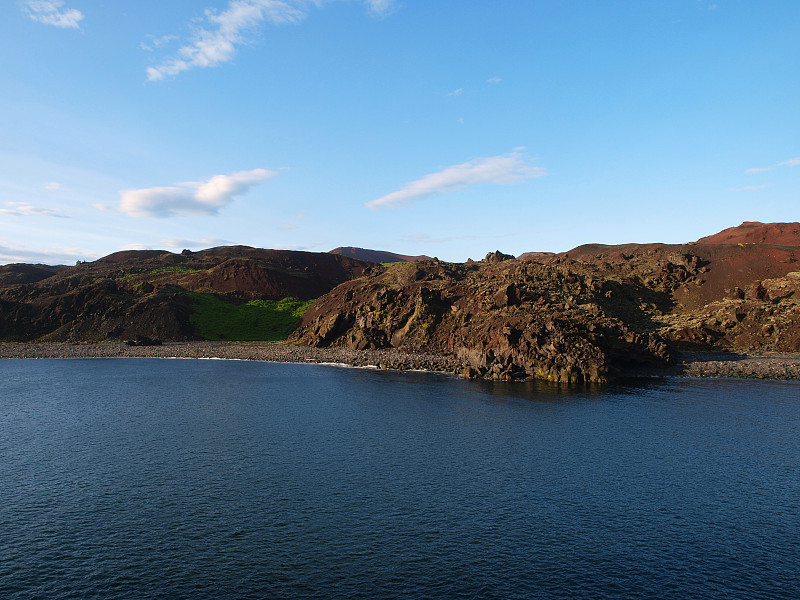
{"x": 724, "y": 305}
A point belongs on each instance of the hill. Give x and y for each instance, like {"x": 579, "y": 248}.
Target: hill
{"x": 377, "y": 256}
{"x": 158, "y": 294}
{"x": 753, "y": 232}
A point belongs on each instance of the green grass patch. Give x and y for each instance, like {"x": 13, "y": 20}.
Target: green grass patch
{"x": 269, "y": 320}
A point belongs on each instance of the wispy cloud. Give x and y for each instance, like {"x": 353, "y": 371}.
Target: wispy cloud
{"x": 504, "y": 170}
{"x": 215, "y": 42}
{"x": 200, "y": 198}
{"x": 751, "y": 188}
{"x": 792, "y": 162}
{"x": 154, "y": 42}
{"x": 457, "y": 92}
{"x": 294, "y": 222}
{"x": 52, "y": 186}
{"x": 380, "y": 8}
{"x": 297, "y": 247}
{"x": 426, "y": 238}
{"x": 54, "y": 255}
{"x": 21, "y": 209}
{"x": 206, "y": 242}
{"x": 50, "y": 12}
{"x": 494, "y": 80}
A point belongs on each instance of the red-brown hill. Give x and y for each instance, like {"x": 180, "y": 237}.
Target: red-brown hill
{"x": 754, "y": 232}
{"x": 378, "y": 256}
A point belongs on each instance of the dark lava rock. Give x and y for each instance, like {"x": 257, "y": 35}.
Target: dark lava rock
{"x": 503, "y": 320}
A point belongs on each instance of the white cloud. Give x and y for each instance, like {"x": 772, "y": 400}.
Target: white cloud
{"x": 504, "y": 169}
{"x": 52, "y": 186}
{"x": 494, "y": 80}
{"x": 759, "y": 169}
{"x": 203, "y": 198}
{"x": 794, "y": 162}
{"x": 50, "y": 12}
{"x": 215, "y": 42}
{"x": 457, "y": 92}
{"x": 21, "y": 209}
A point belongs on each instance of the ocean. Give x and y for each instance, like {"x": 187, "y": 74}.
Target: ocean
{"x": 208, "y": 479}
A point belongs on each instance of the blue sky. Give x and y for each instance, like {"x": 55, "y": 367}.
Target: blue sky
{"x": 422, "y": 127}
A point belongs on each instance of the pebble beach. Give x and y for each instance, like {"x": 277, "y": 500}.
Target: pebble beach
{"x": 755, "y": 366}
{"x": 267, "y": 351}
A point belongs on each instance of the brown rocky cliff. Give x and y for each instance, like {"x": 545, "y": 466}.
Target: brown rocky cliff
{"x": 504, "y": 318}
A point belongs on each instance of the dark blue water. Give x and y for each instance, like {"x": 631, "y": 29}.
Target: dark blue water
{"x": 212, "y": 479}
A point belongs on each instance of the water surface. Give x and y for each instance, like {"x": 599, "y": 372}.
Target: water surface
{"x": 139, "y": 478}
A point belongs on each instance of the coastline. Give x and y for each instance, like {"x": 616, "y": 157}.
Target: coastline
{"x": 751, "y": 366}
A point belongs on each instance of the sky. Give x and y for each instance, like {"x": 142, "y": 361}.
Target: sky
{"x": 433, "y": 127}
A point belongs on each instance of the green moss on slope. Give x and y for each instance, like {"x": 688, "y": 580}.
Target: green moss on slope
{"x": 270, "y": 320}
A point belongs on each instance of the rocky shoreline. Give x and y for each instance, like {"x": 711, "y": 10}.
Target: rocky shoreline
{"x": 266, "y": 351}
{"x": 749, "y": 366}
{"x": 757, "y": 366}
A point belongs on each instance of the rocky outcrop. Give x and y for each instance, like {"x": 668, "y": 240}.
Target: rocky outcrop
{"x": 583, "y": 315}
{"x": 763, "y": 317}
{"x": 501, "y": 317}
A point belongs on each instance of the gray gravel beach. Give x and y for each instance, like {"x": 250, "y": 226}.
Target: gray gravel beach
{"x": 762, "y": 366}
{"x": 269, "y": 351}
{"x": 751, "y": 366}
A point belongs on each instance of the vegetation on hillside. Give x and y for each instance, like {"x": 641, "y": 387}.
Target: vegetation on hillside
{"x": 269, "y": 320}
